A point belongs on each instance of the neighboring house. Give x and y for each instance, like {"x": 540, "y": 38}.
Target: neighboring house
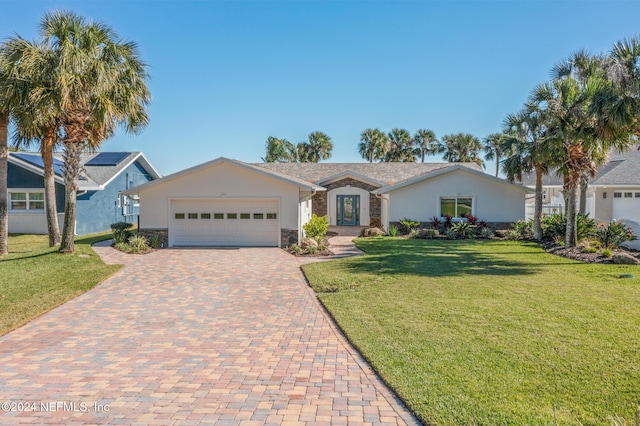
{"x": 103, "y": 177}
{"x": 227, "y": 202}
{"x": 613, "y": 194}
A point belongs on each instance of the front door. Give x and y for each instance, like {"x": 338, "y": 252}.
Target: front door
{"x": 348, "y": 210}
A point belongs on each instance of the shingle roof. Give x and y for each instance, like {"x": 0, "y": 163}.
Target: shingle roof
{"x": 622, "y": 169}
{"x": 389, "y": 173}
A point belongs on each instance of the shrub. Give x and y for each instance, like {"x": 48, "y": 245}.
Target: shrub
{"x": 154, "y": 241}
{"x": 472, "y": 219}
{"x": 430, "y": 233}
{"x": 448, "y": 221}
{"x": 295, "y": 248}
{"x": 414, "y": 233}
{"x": 435, "y": 222}
{"x": 586, "y": 227}
{"x": 312, "y": 249}
{"x": 451, "y": 234}
{"x": 486, "y": 233}
{"x": 523, "y": 229}
{"x": 121, "y": 231}
{"x": 512, "y": 234}
{"x": 393, "y": 231}
{"x": 607, "y": 253}
{"x": 589, "y": 249}
{"x": 463, "y": 229}
{"x": 555, "y": 226}
{"x": 612, "y": 235}
{"x": 139, "y": 244}
{"x": 407, "y": 225}
{"x": 317, "y": 227}
{"x": 482, "y": 224}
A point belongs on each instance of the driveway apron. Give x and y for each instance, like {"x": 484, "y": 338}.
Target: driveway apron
{"x": 192, "y": 336}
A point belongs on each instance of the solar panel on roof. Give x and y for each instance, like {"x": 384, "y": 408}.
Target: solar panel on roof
{"x": 107, "y": 159}
{"x": 36, "y": 160}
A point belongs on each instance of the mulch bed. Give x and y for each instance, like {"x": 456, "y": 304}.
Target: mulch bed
{"x": 576, "y": 253}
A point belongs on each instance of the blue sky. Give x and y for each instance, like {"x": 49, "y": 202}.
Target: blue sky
{"x": 226, "y": 75}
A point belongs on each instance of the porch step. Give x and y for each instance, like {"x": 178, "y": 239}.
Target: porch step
{"x": 347, "y": 231}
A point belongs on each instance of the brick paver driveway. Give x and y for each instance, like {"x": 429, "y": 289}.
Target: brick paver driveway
{"x": 191, "y": 337}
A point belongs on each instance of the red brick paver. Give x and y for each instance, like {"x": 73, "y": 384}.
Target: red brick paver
{"x": 225, "y": 337}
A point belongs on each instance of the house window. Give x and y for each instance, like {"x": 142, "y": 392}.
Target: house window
{"x": 245, "y": 215}
{"x": 604, "y": 195}
{"x": 628, "y": 195}
{"x": 136, "y": 200}
{"x": 271, "y": 216}
{"x": 258, "y": 215}
{"x": 205, "y": 216}
{"x": 637, "y": 194}
{"x": 617, "y": 195}
{"x": 193, "y": 215}
{"x": 26, "y": 200}
{"x": 544, "y": 195}
{"x": 179, "y": 216}
{"x": 456, "y": 206}
{"x": 232, "y": 215}
{"x": 218, "y": 215}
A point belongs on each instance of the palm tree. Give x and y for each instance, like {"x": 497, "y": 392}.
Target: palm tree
{"x": 493, "y": 145}
{"x": 38, "y": 120}
{"x": 460, "y": 148}
{"x": 400, "y": 146}
{"x": 279, "y": 151}
{"x": 426, "y": 143}
{"x": 100, "y": 83}
{"x": 373, "y": 144}
{"x": 318, "y": 148}
{"x": 523, "y": 139}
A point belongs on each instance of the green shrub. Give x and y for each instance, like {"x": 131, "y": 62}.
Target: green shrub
{"x": 555, "y": 226}
{"x": 612, "y": 235}
{"x": 607, "y": 253}
{"x": 407, "y": 225}
{"x": 430, "y": 233}
{"x": 317, "y": 227}
{"x": 486, "y": 233}
{"x": 139, "y": 244}
{"x": 312, "y": 249}
{"x": 524, "y": 229}
{"x": 512, "y": 234}
{"x": 451, "y": 234}
{"x": 154, "y": 241}
{"x": 295, "y": 248}
{"x": 463, "y": 229}
{"x": 121, "y": 231}
{"x": 589, "y": 249}
{"x": 393, "y": 231}
{"x": 414, "y": 233}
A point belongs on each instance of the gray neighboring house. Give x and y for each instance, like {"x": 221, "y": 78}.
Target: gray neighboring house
{"x": 226, "y": 202}
{"x": 100, "y": 202}
{"x": 614, "y": 193}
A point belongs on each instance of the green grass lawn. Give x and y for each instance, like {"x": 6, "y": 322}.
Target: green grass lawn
{"x": 35, "y": 278}
{"x": 499, "y": 332}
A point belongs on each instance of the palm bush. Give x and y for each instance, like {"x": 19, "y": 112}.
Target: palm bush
{"x": 612, "y": 235}
{"x": 463, "y": 229}
{"x": 407, "y": 225}
{"x": 554, "y": 226}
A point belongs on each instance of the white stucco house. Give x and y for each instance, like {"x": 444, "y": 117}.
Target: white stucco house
{"x": 227, "y": 202}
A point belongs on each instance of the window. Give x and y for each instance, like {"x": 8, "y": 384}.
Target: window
{"x": 617, "y": 195}
{"x": 258, "y": 215}
{"x": 26, "y": 200}
{"x": 637, "y": 194}
{"x": 604, "y": 195}
{"x": 193, "y": 215}
{"x": 628, "y": 195}
{"x": 456, "y": 206}
{"x": 271, "y": 216}
{"x": 232, "y": 215}
{"x": 245, "y": 215}
{"x": 136, "y": 200}
{"x": 205, "y": 216}
{"x": 179, "y": 216}
{"x": 218, "y": 215}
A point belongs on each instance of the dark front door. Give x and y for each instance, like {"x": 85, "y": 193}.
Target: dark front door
{"x": 348, "y": 210}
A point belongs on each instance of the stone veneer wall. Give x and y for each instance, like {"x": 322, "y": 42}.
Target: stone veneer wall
{"x": 162, "y": 234}
{"x": 288, "y": 237}
{"x": 319, "y": 200}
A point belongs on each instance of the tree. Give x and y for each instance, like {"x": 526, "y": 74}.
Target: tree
{"x": 373, "y": 145}
{"x": 38, "y": 118}
{"x": 493, "y": 146}
{"x": 425, "y": 143}
{"x": 400, "y": 146}
{"x": 460, "y": 148}
{"x": 280, "y": 151}
{"x": 100, "y": 84}
{"x": 318, "y": 148}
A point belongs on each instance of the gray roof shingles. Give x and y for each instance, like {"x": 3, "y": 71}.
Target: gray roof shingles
{"x": 98, "y": 175}
{"x": 389, "y": 173}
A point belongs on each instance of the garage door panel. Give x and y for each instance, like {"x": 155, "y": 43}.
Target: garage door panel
{"x": 225, "y": 222}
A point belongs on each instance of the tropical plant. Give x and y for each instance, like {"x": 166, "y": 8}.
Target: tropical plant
{"x": 614, "y": 234}
{"x": 373, "y": 145}
{"x": 460, "y": 148}
{"x": 400, "y": 147}
{"x": 486, "y": 233}
{"x": 451, "y": 234}
{"x": 554, "y": 227}
{"x": 523, "y": 228}
{"x": 99, "y": 84}
{"x": 318, "y": 147}
{"x": 279, "y": 151}
{"x": 139, "y": 243}
{"x": 472, "y": 219}
{"x": 393, "y": 231}
{"x": 7, "y": 105}
{"x": 435, "y": 222}
{"x": 405, "y": 225}
{"x": 425, "y": 143}
{"x": 317, "y": 227}
{"x": 448, "y": 221}
{"x": 463, "y": 229}
{"x": 493, "y": 146}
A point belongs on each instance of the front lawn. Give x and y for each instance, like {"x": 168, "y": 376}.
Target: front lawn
{"x": 35, "y": 278}
{"x": 491, "y": 332}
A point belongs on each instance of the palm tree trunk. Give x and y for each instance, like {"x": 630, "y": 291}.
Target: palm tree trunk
{"x": 71, "y": 173}
{"x": 50, "y": 187}
{"x": 565, "y": 193}
{"x": 4, "y": 166}
{"x": 498, "y": 165}
{"x": 423, "y": 152}
{"x": 571, "y": 237}
{"x": 537, "y": 214}
{"x": 584, "y": 185}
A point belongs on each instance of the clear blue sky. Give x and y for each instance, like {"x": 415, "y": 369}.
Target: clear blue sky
{"x": 226, "y": 75}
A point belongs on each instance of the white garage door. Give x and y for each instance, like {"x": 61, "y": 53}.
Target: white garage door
{"x": 225, "y": 222}
{"x": 626, "y": 205}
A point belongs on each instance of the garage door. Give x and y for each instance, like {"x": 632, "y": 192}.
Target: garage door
{"x": 626, "y": 205}
{"x": 225, "y": 222}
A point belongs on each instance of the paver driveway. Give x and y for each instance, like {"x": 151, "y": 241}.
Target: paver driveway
{"x": 192, "y": 337}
